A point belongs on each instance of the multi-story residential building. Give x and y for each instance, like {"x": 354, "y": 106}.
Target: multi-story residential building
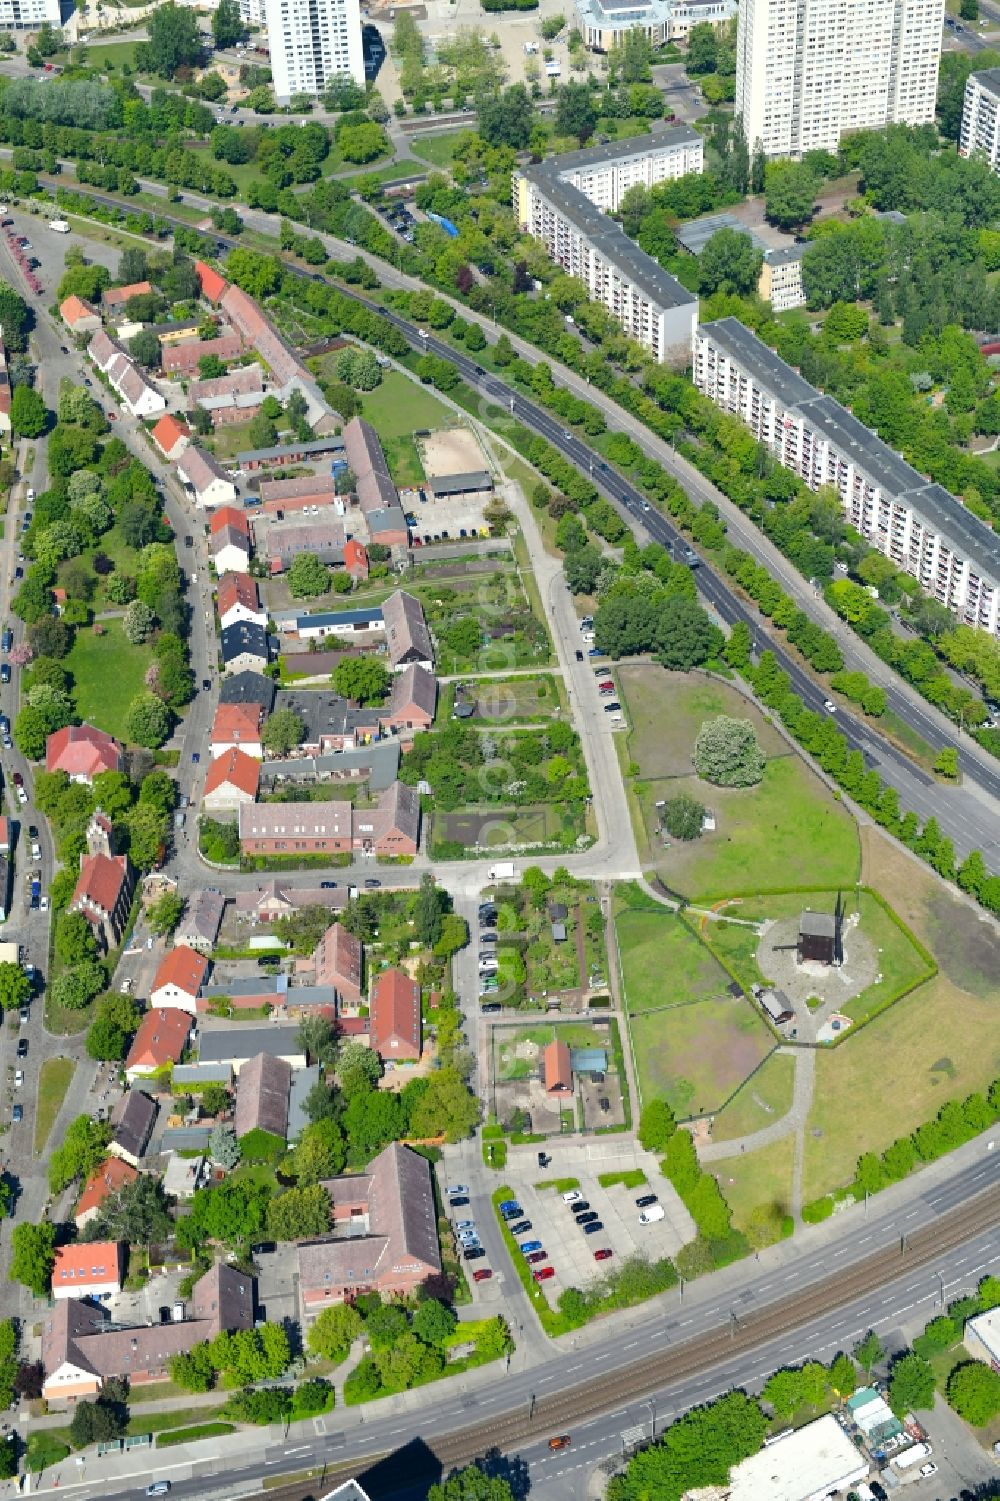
{"x": 981, "y": 116}
{"x": 28, "y": 15}
{"x": 313, "y": 42}
{"x": 925, "y": 531}
{"x": 780, "y": 281}
{"x": 565, "y": 203}
{"x": 606, "y": 23}
{"x": 807, "y": 71}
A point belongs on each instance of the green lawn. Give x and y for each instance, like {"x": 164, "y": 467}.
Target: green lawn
{"x": 664, "y": 963}
{"x": 108, "y": 673}
{"x": 109, "y": 56}
{"x": 761, "y": 1177}
{"x": 516, "y": 700}
{"x": 438, "y": 149}
{"x": 54, "y": 1079}
{"x": 762, "y": 1101}
{"x": 696, "y": 1055}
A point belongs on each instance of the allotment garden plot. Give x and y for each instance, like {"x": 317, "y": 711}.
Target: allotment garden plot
{"x": 596, "y": 1097}
{"x": 693, "y": 1040}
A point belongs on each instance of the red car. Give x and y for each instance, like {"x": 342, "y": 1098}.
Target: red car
{"x": 483, "y": 1275}
{"x": 536, "y": 1256}
{"x": 603, "y": 1254}
{"x": 543, "y": 1273}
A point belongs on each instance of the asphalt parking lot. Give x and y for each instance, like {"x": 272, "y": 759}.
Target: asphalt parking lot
{"x": 570, "y": 1250}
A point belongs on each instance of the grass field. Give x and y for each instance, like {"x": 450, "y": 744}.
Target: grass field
{"x": 499, "y": 827}
{"x": 696, "y": 1055}
{"x": 108, "y": 672}
{"x": 761, "y": 1102}
{"x": 397, "y": 409}
{"x": 516, "y": 700}
{"x": 788, "y": 830}
{"x": 761, "y": 1177}
{"x": 109, "y": 56}
{"x": 437, "y": 149}
{"x": 942, "y": 1042}
{"x": 664, "y": 963}
{"x": 54, "y": 1079}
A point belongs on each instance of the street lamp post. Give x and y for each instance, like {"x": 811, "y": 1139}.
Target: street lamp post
{"x": 651, "y": 1404}
{"x": 940, "y": 1277}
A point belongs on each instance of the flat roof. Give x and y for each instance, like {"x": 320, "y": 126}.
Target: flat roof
{"x": 965, "y": 533}
{"x": 333, "y": 444}
{"x": 458, "y": 484}
{"x": 807, "y": 1463}
{"x": 986, "y": 1326}
{"x": 622, "y": 151}
{"x": 695, "y": 235}
{"x": 988, "y": 78}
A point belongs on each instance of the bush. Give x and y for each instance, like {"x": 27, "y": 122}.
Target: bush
{"x": 683, "y": 816}
{"x": 818, "y": 1210}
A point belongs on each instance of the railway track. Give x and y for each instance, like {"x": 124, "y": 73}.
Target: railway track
{"x": 746, "y": 1332}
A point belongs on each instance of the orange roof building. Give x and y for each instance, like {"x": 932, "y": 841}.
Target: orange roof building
{"x": 238, "y": 725}
{"x": 229, "y": 516}
{"x": 171, "y": 436}
{"x": 117, "y": 296}
{"x": 180, "y": 976}
{"x": 355, "y": 559}
{"x": 160, "y": 1040}
{"x": 79, "y": 316}
{"x": 213, "y": 286}
{"x": 88, "y": 1269}
{"x": 82, "y": 751}
{"x": 395, "y": 1016}
{"x": 557, "y": 1068}
{"x": 112, "y": 1176}
{"x": 239, "y": 599}
{"x": 233, "y": 778}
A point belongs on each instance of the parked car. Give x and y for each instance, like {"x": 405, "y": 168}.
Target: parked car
{"x": 482, "y": 1275}
{"x": 588, "y": 1218}
{"x": 521, "y": 1227}
{"x": 594, "y": 1229}
{"x": 465, "y": 1225}
{"x": 527, "y": 1246}
{"x": 540, "y": 1274}
{"x": 459, "y": 1202}
{"x": 17, "y": 1114}
{"x": 580, "y": 1207}
{"x": 473, "y": 1253}
{"x": 572, "y": 1196}
{"x": 488, "y": 938}
{"x": 371, "y": 885}
{"x": 536, "y": 1256}
{"x": 18, "y": 1077}
{"x": 457, "y": 1188}
{"x": 645, "y": 1200}
{"x": 5, "y": 672}
{"x": 22, "y": 1047}
{"x": 603, "y": 1254}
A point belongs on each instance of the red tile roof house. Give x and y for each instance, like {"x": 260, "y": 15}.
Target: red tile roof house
{"x": 79, "y": 317}
{"x": 81, "y": 1348}
{"x": 295, "y": 828}
{"x": 262, "y": 1097}
{"x": 391, "y": 1244}
{"x": 292, "y": 494}
{"x": 393, "y": 827}
{"x": 117, "y": 296}
{"x": 82, "y": 752}
{"x": 395, "y": 1017}
{"x": 112, "y": 1176}
{"x": 4, "y": 835}
{"x": 88, "y": 1269}
{"x": 557, "y": 1069}
{"x": 171, "y": 436}
{"x": 183, "y": 358}
{"x": 237, "y": 726}
{"x": 233, "y": 778}
{"x": 160, "y": 1041}
{"x": 229, "y": 516}
{"x": 103, "y": 893}
{"x": 179, "y": 978}
{"x": 338, "y": 960}
{"x": 238, "y": 598}
{"x": 206, "y": 478}
{"x": 212, "y": 284}
{"x": 355, "y": 559}
{"x": 230, "y": 550}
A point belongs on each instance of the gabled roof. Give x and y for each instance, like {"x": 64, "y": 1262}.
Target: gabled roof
{"x": 116, "y": 295}
{"x": 237, "y": 722}
{"x": 212, "y": 284}
{"x": 81, "y": 750}
{"x": 414, "y": 687}
{"x": 237, "y": 589}
{"x": 355, "y": 556}
{"x": 229, "y": 516}
{"x": 112, "y": 1175}
{"x": 169, "y": 431}
{"x": 161, "y": 1038}
{"x": 100, "y": 880}
{"x": 200, "y": 469}
{"x": 262, "y": 1096}
{"x": 395, "y": 1014}
{"x": 132, "y": 1121}
{"x": 402, "y": 1224}
{"x": 203, "y": 913}
{"x": 248, "y": 688}
{"x": 74, "y": 308}
{"x": 234, "y": 769}
{"x": 557, "y": 1067}
{"x": 244, "y": 636}
{"x": 406, "y": 630}
{"x": 338, "y": 960}
{"x": 245, "y": 380}
{"x": 87, "y": 1264}
{"x": 230, "y": 536}
{"x": 182, "y": 967}
{"x": 295, "y": 820}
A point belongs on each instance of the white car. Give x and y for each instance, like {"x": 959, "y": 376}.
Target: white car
{"x": 572, "y": 1196}
{"x": 829, "y": 706}
{"x": 126, "y": 985}
{"x": 18, "y": 1078}
{"x": 457, "y": 1188}
{"x": 465, "y": 1225}
{"x": 43, "y": 905}
{"x": 22, "y": 796}
{"x": 927, "y": 1471}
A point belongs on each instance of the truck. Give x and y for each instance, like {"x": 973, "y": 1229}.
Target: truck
{"x": 36, "y": 892}
{"x": 61, "y": 226}
{"x": 915, "y": 1455}
{"x": 503, "y": 872}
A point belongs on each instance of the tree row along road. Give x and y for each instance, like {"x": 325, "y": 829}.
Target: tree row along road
{"x": 922, "y": 718}
{"x": 604, "y": 1393}
{"x": 968, "y": 815}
